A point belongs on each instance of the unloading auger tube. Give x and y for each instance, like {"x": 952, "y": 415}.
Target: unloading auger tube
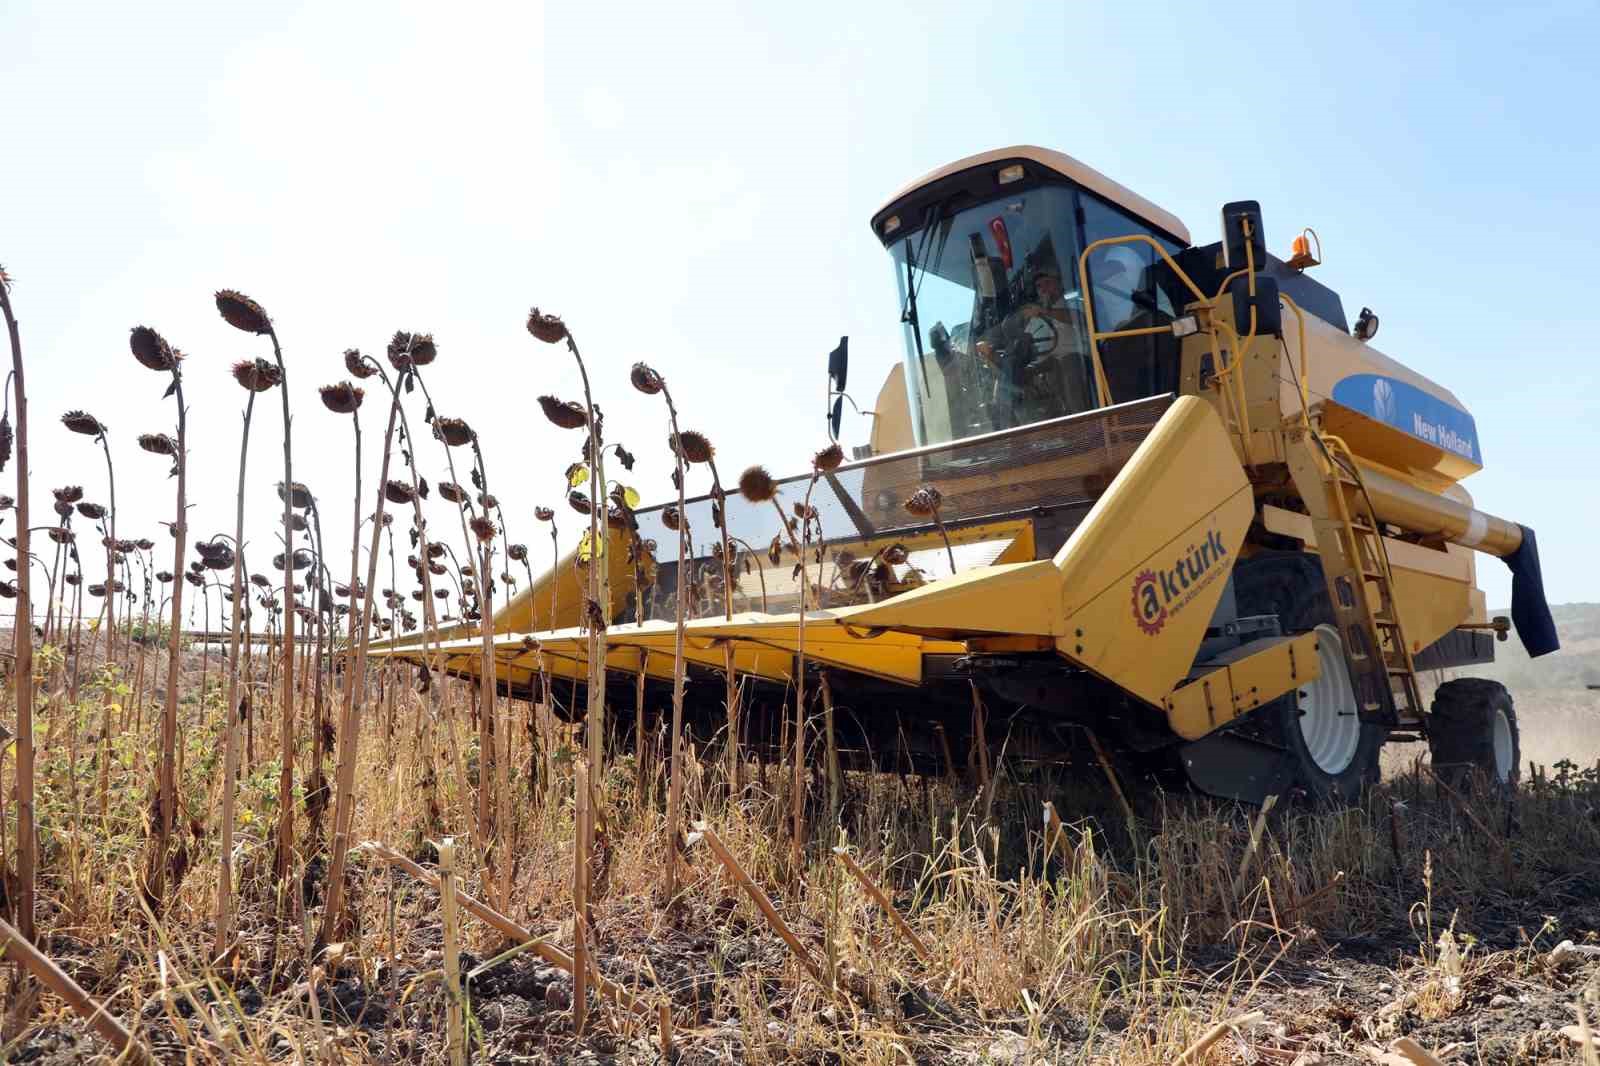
{"x": 1223, "y": 535}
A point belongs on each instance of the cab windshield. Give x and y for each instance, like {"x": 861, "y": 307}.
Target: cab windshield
{"x": 996, "y": 335}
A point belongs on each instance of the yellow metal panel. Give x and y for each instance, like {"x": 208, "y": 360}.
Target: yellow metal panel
{"x": 1282, "y": 664}
{"x": 1430, "y": 605}
{"x": 1256, "y": 673}
{"x": 1195, "y": 709}
{"x": 1433, "y": 589}
{"x": 1141, "y": 577}
{"x": 1014, "y": 598}
{"x": 1185, "y": 470}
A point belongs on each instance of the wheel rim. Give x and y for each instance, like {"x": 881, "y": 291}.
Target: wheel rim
{"x": 1329, "y": 724}
{"x": 1502, "y": 746}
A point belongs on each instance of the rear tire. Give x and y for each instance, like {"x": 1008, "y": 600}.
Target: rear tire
{"x": 1473, "y": 729}
{"x": 1334, "y": 751}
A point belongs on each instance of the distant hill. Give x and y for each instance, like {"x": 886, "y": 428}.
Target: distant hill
{"x": 1576, "y": 665}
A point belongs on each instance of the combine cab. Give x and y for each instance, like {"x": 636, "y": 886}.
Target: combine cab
{"x": 1171, "y": 503}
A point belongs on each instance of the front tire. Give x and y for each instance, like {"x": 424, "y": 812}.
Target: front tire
{"x": 1334, "y": 751}
{"x": 1473, "y": 729}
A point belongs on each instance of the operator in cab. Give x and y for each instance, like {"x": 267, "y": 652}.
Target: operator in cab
{"x": 1039, "y": 354}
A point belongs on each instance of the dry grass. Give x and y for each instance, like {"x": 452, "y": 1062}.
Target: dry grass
{"x": 1404, "y": 912}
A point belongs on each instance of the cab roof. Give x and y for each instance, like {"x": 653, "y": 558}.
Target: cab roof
{"x": 1064, "y": 165}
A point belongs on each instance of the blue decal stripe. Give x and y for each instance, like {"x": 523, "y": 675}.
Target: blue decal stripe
{"x": 1411, "y": 410}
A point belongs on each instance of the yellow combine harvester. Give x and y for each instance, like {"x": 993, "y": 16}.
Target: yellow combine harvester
{"x": 1179, "y": 504}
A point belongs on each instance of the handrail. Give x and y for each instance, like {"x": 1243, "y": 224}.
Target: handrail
{"x": 1095, "y": 337}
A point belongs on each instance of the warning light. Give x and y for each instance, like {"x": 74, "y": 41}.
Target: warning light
{"x": 1300, "y": 257}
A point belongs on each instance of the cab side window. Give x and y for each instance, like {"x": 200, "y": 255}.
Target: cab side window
{"x": 1131, "y": 290}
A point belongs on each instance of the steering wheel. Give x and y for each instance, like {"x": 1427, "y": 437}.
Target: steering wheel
{"x": 1044, "y": 341}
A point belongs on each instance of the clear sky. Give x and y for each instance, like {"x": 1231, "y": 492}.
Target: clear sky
{"x": 691, "y": 184}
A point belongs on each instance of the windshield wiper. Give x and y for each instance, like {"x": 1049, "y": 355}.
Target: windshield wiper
{"x": 916, "y": 270}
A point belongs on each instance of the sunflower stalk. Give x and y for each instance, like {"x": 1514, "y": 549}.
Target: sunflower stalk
{"x": 231, "y": 710}
{"x": 484, "y": 837}
{"x": 353, "y": 698}
{"x": 22, "y": 634}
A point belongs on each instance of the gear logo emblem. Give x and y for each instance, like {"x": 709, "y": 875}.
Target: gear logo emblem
{"x": 1149, "y": 610}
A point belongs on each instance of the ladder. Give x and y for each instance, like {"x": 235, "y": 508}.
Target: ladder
{"x": 1360, "y": 580}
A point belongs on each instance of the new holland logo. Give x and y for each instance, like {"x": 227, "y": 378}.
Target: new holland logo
{"x": 1160, "y": 594}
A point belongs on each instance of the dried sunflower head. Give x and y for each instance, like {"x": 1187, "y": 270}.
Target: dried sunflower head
{"x": 144, "y": 544}
{"x": 646, "y": 380}
{"x": 579, "y": 502}
{"x": 756, "y": 485}
{"x": 407, "y": 350}
{"x": 564, "y": 413}
{"x": 518, "y": 553}
{"x": 399, "y": 492}
{"x": 68, "y": 493}
{"x": 357, "y": 365}
{"x": 924, "y": 503}
{"x": 298, "y": 495}
{"x": 544, "y": 514}
{"x": 215, "y": 555}
{"x": 694, "y": 447}
{"x": 828, "y": 459}
{"x": 548, "y": 328}
{"x": 482, "y": 528}
{"x": 453, "y": 431}
{"x": 302, "y": 559}
{"x": 92, "y": 511}
{"x": 83, "y": 422}
{"x": 241, "y": 312}
{"x": 158, "y": 444}
{"x": 671, "y": 518}
{"x": 257, "y": 375}
{"x": 260, "y": 581}
{"x": 451, "y": 491}
{"x": 152, "y": 349}
{"x": 60, "y": 534}
{"x": 342, "y": 398}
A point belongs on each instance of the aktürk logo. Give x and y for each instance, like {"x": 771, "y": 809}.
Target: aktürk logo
{"x": 1160, "y": 594}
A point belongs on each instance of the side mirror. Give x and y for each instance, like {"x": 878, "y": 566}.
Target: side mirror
{"x": 838, "y": 374}
{"x": 1241, "y": 227}
{"x": 1268, "y": 311}
{"x": 839, "y": 365}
